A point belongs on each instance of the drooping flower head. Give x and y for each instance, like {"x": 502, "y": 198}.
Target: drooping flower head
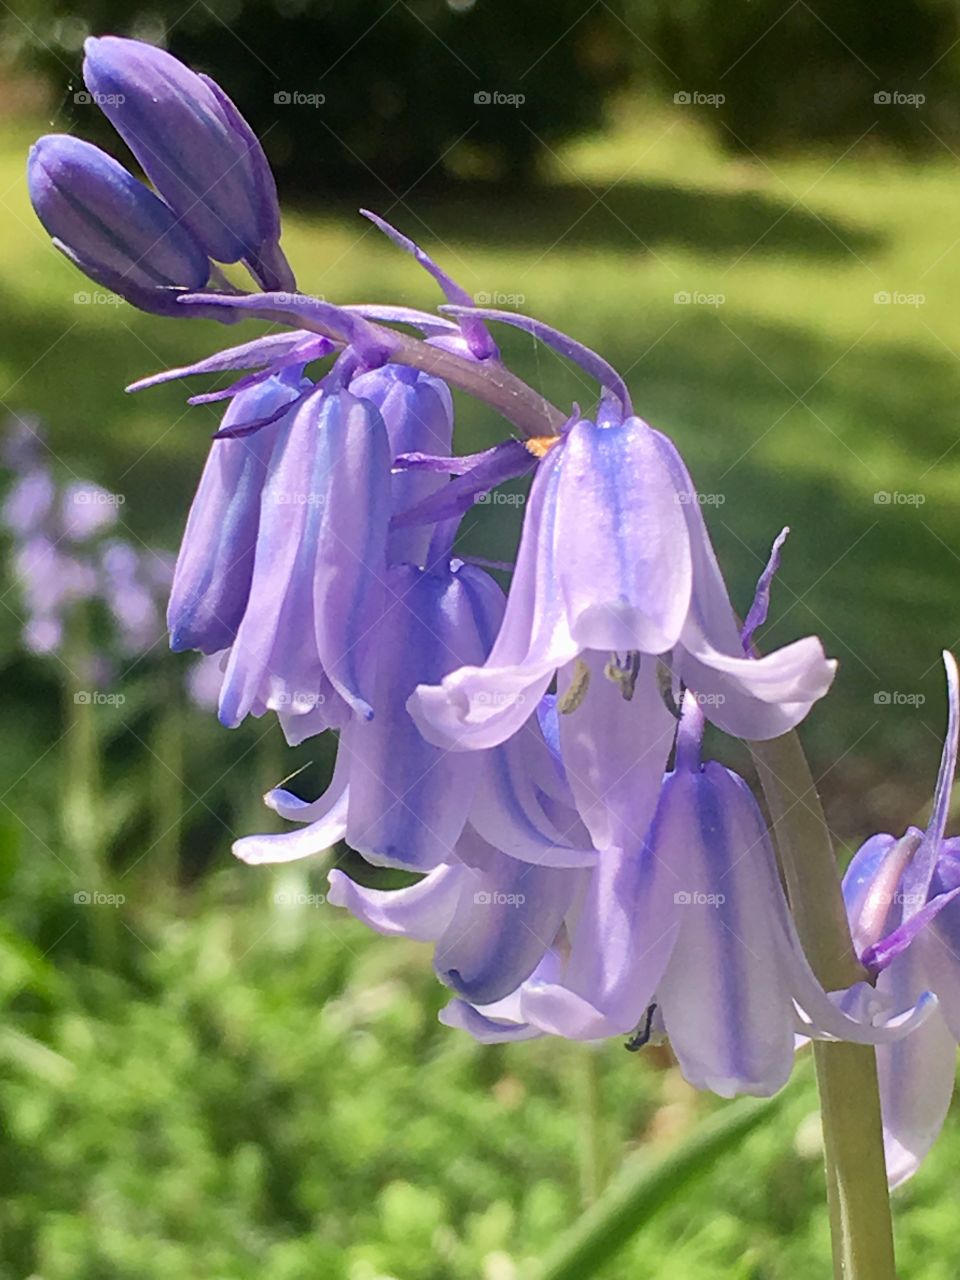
{"x": 687, "y": 933}
{"x": 616, "y": 574}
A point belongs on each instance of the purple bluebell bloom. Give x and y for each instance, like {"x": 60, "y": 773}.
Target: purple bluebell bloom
{"x": 399, "y": 800}
{"x": 307, "y": 498}
{"x": 211, "y": 584}
{"x": 51, "y": 582}
{"x": 417, "y": 411}
{"x": 86, "y": 509}
{"x": 615, "y": 570}
{"x": 902, "y": 901}
{"x": 689, "y": 934}
{"x": 196, "y": 149}
{"x": 111, "y": 226}
{"x": 29, "y": 504}
{"x": 318, "y": 564}
{"x": 492, "y": 918}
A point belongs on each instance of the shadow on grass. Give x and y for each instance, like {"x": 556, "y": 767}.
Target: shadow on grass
{"x": 614, "y": 216}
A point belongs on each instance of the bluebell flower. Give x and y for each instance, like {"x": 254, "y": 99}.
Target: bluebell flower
{"x": 689, "y": 935}
{"x": 318, "y": 564}
{"x": 214, "y": 569}
{"x": 403, "y": 802}
{"x": 131, "y": 596}
{"x": 901, "y": 897}
{"x": 112, "y": 227}
{"x": 196, "y": 149}
{"x": 492, "y": 918}
{"x": 417, "y": 411}
{"x": 615, "y": 571}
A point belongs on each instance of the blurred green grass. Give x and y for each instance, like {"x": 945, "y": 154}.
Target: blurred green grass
{"x": 255, "y": 1092}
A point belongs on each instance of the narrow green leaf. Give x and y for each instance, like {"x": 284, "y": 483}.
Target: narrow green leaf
{"x": 644, "y": 1185}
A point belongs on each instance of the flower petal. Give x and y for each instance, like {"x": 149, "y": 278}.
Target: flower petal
{"x": 409, "y": 798}
{"x": 211, "y": 584}
{"x": 615, "y": 751}
{"x": 916, "y": 1076}
{"x": 481, "y": 706}
{"x": 422, "y": 911}
{"x": 620, "y": 550}
{"x": 327, "y": 827}
{"x": 507, "y": 918}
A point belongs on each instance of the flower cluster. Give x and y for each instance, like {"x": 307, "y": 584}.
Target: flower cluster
{"x": 534, "y": 755}
{"x": 67, "y": 555}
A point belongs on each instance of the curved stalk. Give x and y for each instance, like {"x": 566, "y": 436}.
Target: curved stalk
{"x": 487, "y": 380}
{"x": 859, "y": 1202}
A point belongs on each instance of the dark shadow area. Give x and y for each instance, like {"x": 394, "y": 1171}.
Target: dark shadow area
{"x": 628, "y": 215}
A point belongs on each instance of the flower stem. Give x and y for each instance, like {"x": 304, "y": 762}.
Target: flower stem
{"x": 486, "y": 380}
{"x": 860, "y": 1222}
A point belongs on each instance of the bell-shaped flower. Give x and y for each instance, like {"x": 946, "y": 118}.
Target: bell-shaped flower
{"x": 196, "y": 149}
{"x": 398, "y": 799}
{"x": 615, "y": 578}
{"x": 904, "y": 910}
{"x": 318, "y": 565}
{"x": 615, "y": 559}
{"x": 113, "y": 227}
{"x": 417, "y": 411}
{"x": 492, "y": 917}
{"x": 691, "y": 930}
{"x": 211, "y": 584}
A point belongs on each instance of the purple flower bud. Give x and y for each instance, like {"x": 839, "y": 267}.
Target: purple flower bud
{"x": 195, "y": 148}
{"x": 111, "y": 226}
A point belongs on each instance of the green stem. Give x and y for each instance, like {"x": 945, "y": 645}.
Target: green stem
{"x": 168, "y": 786}
{"x": 859, "y": 1202}
{"x": 81, "y": 808}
